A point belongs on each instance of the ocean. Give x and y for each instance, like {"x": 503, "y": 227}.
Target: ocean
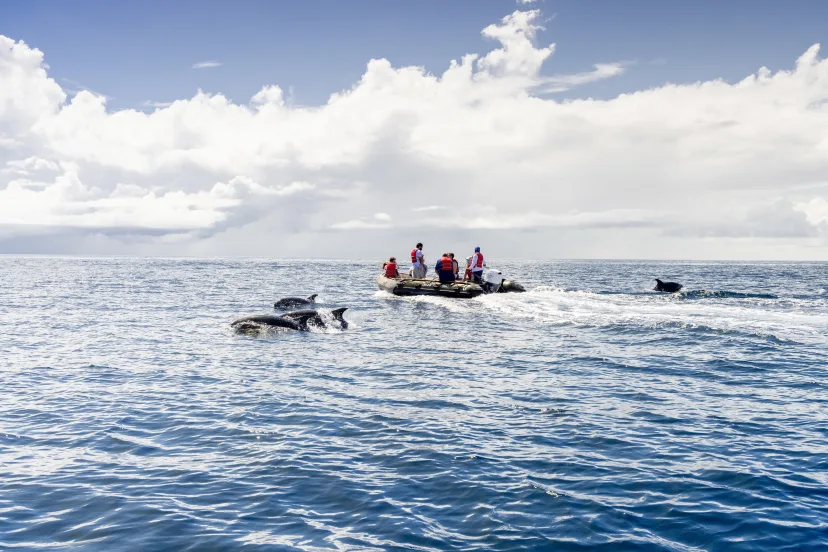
{"x": 587, "y": 413}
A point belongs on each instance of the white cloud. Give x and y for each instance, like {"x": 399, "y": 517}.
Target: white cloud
{"x": 73, "y": 87}
{"x": 705, "y": 169}
{"x": 379, "y": 221}
{"x": 561, "y": 83}
{"x": 206, "y": 64}
{"x": 815, "y": 210}
{"x": 150, "y": 103}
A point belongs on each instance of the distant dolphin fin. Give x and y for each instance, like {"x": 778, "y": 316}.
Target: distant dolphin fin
{"x": 337, "y": 313}
{"x": 313, "y": 297}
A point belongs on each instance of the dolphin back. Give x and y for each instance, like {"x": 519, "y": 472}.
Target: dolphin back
{"x": 249, "y": 323}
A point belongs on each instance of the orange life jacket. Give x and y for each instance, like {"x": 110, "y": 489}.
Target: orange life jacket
{"x": 414, "y": 255}
{"x": 447, "y": 265}
{"x": 391, "y": 270}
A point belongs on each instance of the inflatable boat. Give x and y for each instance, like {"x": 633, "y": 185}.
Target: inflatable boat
{"x": 406, "y": 286}
{"x": 493, "y": 282}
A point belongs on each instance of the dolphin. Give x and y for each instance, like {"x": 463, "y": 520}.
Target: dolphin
{"x": 256, "y": 323}
{"x": 309, "y": 317}
{"x": 300, "y": 321}
{"x": 670, "y": 287}
{"x": 290, "y": 302}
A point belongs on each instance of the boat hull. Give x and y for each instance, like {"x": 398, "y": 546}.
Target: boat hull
{"x": 415, "y": 286}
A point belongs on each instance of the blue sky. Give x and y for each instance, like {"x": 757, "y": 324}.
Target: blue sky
{"x": 726, "y": 162}
{"x": 138, "y": 51}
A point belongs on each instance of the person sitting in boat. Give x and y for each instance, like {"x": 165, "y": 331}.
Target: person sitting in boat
{"x": 476, "y": 264}
{"x": 445, "y": 269}
{"x": 455, "y": 267}
{"x": 390, "y": 268}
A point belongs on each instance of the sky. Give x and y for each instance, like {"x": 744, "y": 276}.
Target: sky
{"x": 546, "y": 129}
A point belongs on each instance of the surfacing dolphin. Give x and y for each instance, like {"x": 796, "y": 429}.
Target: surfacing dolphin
{"x": 257, "y": 323}
{"x": 308, "y": 318}
{"x": 300, "y": 321}
{"x": 669, "y": 287}
{"x": 293, "y": 302}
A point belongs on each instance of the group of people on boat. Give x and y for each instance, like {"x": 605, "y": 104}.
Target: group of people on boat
{"x": 447, "y": 267}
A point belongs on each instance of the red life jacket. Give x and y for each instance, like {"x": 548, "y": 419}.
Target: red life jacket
{"x": 391, "y": 270}
{"x": 479, "y": 263}
{"x": 414, "y": 255}
{"x": 447, "y": 265}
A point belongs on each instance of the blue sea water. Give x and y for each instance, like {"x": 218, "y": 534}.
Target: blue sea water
{"x": 587, "y": 413}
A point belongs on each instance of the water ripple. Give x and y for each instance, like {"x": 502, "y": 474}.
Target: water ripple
{"x": 589, "y": 412}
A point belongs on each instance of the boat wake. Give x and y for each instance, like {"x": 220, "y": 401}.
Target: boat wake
{"x": 763, "y": 315}
{"x": 705, "y": 294}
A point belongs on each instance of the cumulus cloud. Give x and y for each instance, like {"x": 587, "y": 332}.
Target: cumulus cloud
{"x": 206, "y": 64}
{"x": 479, "y": 151}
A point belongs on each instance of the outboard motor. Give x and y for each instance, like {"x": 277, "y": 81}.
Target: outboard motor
{"x": 492, "y": 280}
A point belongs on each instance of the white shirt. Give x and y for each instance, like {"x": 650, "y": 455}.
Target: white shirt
{"x": 419, "y": 256}
{"x": 473, "y": 264}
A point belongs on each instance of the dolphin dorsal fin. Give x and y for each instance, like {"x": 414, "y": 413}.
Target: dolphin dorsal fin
{"x": 337, "y": 313}
{"x": 313, "y": 297}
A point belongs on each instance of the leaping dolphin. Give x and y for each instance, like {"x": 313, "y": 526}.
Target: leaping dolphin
{"x": 293, "y": 302}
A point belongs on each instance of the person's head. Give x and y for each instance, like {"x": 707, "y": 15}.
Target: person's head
{"x": 419, "y": 246}
{"x": 477, "y": 249}
{"x": 445, "y": 254}
{"x": 392, "y": 260}
{"x": 451, "y": 255}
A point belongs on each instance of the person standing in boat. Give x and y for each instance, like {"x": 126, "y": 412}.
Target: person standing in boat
{"x": 476, "y": 266}
{"x": 390, "y": 268}
{"x": 418, "y": 262}
{"x": 445, "y": 269}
